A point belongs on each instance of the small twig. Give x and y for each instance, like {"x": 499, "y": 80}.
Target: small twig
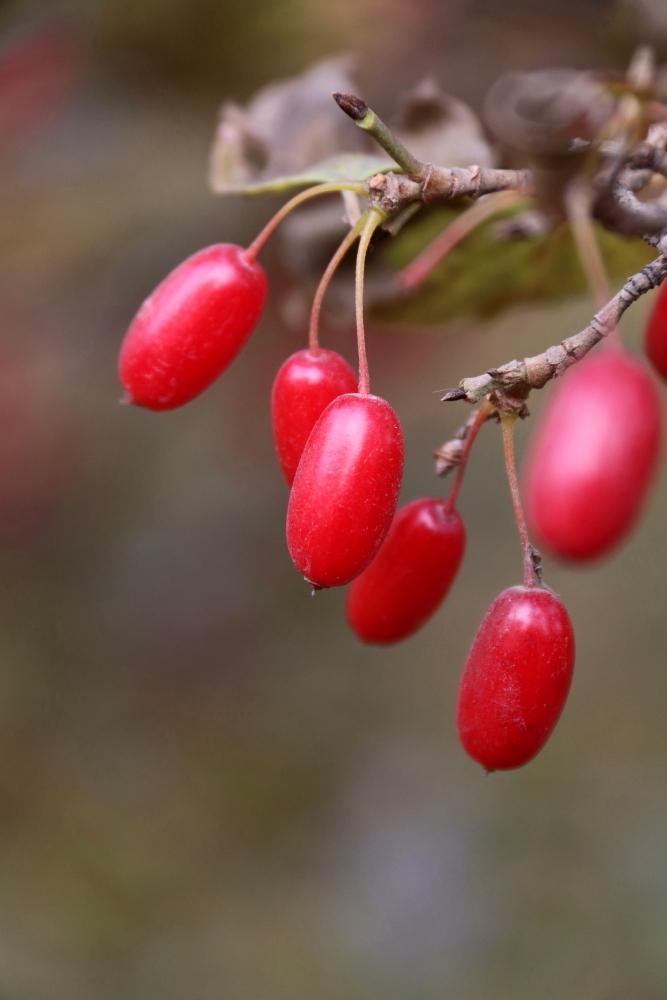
{"x": 465, "y": 438}
{"x": 649, "y": 158}
{"x": 519, "y": 377}
{"x": 392, "y": 192}
{"x": 621, "y": 211}
{"x": 651, "y": 154}
{"x": 451, "y": 453}
{"x": 365, "y": 118}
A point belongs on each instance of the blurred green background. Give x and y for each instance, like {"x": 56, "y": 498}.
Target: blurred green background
{"x": 208, "y": 788}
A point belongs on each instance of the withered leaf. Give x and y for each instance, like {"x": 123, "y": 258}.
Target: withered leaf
{"x": 291, "y": 135}
{"x": 438, "y": 128}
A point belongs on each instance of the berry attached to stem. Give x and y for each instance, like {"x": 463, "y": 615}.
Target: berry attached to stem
{"x": 516, "y": 678}
{"x": 594, "y": 455}
{"x": 191, "y": 327}
{"x": 309, "y": 380}
{"x": 303, "y": 388}
{"x": 345, "y": 489}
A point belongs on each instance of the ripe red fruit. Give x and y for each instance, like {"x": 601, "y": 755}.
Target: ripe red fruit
{"x": 411, "y": 573}
{"x": 516, "y": 678}
{"x": 345, "y": 490}
{"x": 191, "y": 327}
{"x": 593, "y": 456}
{"x": 303, "y": 388}
{"x": 655, "y": 340}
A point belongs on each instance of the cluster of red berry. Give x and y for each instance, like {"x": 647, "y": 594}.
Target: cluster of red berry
{"x": 341, "y": 452}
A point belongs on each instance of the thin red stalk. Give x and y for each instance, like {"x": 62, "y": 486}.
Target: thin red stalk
{"x": 373, "y": 220}
{"x": 289, "y": 206}
{"x": 325, "y": 280}
{"x": 529, "y": 575}
{"x": 419, "y": 269}
{"x": 480, "y": 418}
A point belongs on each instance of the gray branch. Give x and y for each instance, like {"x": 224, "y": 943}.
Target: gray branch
{"x": 392, "y": 192}
{"x": 517, "y": 378}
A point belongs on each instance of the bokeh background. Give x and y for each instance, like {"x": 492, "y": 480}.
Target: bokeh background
{"x": 208, "y": 787}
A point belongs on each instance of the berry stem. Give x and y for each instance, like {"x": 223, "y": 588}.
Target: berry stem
{"x": 579, "y": 208}
{"x": 530, "y": 578}
{"x": 419, "y": 269}
{"x": 479, "y": 418}
{"x": 325, "y": 280}
{"x": 373, "y": 219}
{"x": 298, "y": 199}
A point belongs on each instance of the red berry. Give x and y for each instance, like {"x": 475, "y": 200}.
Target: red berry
{"x": 516, "y": 678}
{"x": 345, "y": 489}
{"x": 410, "y": 575}
{"x": 593, "y": 456}
{"x": 303, "y": 388}
{"x": 191, "y": 327}
{"x": 655, "y": 341}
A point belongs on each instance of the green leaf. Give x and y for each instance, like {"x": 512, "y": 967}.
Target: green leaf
{"x": 484, "y": 276}
{"x": 346, "y": 167}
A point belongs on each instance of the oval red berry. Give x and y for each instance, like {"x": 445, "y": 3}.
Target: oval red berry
{"x": 655, "y": 341}
{"x": 516, "y": 678}
{"x": 191, "y": 327}
{"x": 593, "y": 456}
{"x": 345, "y": 490}
{"x": 409, "y": 577}
{"x": 303, "y": 388}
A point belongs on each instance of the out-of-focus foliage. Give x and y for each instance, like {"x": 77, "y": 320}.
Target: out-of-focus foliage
{"x": 485, "y": 275}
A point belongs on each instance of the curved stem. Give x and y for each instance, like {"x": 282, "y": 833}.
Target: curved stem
{"x": 325, "y": 280}
{"x": 419, "y": 269}
{"x": 373, "y": 220}
{"x": 299, "y": 199}
{"x": 579, "y": 212}
{"x": 479, "y": 418}
{"x": 530, "y": 578}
